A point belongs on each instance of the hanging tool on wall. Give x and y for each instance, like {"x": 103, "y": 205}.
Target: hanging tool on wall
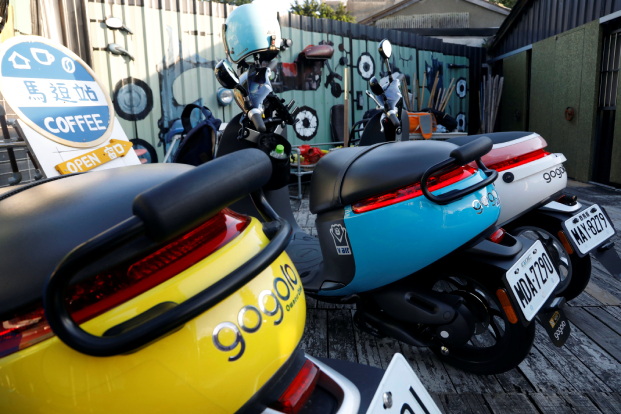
{"x": 116, "y": 49}
{"x": 114, "y": 23}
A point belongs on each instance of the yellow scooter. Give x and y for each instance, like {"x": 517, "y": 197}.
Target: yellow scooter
{"x": 170, "y": 303}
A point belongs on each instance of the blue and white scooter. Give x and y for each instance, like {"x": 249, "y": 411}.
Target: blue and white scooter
{"x": 403, "y": 230}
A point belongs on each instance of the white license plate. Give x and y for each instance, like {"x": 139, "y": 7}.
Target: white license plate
{"x": 532, "y": 280}
{"x": 400, "y": 391}
{"x": 589, "y": 228}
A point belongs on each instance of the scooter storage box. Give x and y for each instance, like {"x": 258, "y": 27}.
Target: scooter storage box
{"x": 280, "y": 168}
{"x": 405, "y": 236}
{"x": 528, "y": 175}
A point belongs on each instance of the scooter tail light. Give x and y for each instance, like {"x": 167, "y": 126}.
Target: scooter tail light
{"x": 408, "y": 192}
{"x": 517, "y": 161}
{"x": 566, "y": 244}
{"x": 505, "y": 302}
{"x": 97, "y": 294}
{"x": 299, "y": 391}
{"x": 497, "y": 236}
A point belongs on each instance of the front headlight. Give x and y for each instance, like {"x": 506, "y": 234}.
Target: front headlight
{"x": 225, "y": 96}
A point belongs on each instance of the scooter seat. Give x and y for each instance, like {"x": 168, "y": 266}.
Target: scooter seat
{"x": 348, "y": 175}
{"x": 41, "y": 222}
{"x": 496, "y": 137}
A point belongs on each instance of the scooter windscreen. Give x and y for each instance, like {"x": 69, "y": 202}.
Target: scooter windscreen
{"x": 259, "y": 86}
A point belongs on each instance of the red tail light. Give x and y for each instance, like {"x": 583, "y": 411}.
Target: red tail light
{"x": 98, "y": 294}
{"x": 497, "y": 236}
{"x": 300, "y": 390}
{"x": 517, "y": 161}
{"x": 413, "y": 190}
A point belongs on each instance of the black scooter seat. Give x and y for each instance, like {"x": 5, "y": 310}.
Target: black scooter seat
{"x": 496, "y": 137}
{"x": 349, "y": 175}
{"x": 41, "y": 222}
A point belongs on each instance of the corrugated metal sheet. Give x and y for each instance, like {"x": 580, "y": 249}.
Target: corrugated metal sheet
{"x": 533, "y": 20}
{"x": 426, "y": 21}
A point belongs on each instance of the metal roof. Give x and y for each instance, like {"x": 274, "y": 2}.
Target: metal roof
{"x": 533, "y": 20}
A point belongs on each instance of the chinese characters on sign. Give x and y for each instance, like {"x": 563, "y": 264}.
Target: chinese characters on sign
{"x": 55, "y": 93}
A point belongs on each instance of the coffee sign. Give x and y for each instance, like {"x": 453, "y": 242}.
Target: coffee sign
{"x": 54, "y": 92}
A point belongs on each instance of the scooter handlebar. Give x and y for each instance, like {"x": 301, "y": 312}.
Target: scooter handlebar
{"x": 256, "y": 116}
{"x": 74, "y": 336}
{"x": 392, "y": 115}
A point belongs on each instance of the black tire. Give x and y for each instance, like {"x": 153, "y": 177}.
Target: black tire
{"x": 151, "y": 155}
{"x": 580, "y": 278}
{"x": 496, "y": 348}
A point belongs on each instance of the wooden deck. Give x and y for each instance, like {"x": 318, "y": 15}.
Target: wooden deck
{"x": 582, "y": 377}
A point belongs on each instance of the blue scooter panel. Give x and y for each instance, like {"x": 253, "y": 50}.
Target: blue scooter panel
{"x": 395, "y": 241}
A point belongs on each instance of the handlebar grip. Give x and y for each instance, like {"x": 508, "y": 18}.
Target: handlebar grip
{"x": 472, "y": 151}
{"x": 74, "y": 336}
{"x": 392, "y": 115}
{"x": 256, "y": 117}
{"x": 454, "y": 195}
{"x": 182, "y": 203}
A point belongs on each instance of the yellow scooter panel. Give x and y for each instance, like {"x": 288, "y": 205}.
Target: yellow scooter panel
{"x": 212, "y": 364}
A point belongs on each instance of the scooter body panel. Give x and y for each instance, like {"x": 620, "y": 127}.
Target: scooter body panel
{"x": 523, "y": 187}
{"x": 393, "y": 242}
{"x": 185, "y": 371}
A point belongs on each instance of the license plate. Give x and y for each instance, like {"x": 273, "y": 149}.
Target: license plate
{"x": 400, "y": 391}
{"x": 532, "y": 280}
{"x": 589, "y": 228}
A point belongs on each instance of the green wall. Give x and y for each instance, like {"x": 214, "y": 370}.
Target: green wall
{"x": 615, "y": 162}
{"x": 565, "y": 73}
{"x": 514, "y": 100}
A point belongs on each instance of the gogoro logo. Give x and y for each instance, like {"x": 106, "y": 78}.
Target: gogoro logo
{"x": 489, "y": 200}
{"x": 494, "y": 200}
{"x": 476, "y": 205}
{"x": 288, "y": 281}
{"x": 557, "y": 173}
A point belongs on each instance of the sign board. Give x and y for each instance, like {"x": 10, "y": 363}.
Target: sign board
{"x": 96, "y": 158}
{"x": 50, "y": 154}
{"x": 64, "y": 111}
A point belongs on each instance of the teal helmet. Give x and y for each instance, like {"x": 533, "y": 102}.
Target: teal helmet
{"x": 251, "y": 29}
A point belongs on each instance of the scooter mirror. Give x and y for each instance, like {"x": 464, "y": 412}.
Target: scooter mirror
{"x": 226, "y": 75}
{"x": 385, "y": 49}
{"x": 376, "y": 88}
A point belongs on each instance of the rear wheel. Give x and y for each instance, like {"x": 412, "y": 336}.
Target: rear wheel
{"x": 497, "y": 345}
{"x": 575, "y": 271}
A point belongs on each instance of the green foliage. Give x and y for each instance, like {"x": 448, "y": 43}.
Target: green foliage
{"x": 315, "y": 8}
